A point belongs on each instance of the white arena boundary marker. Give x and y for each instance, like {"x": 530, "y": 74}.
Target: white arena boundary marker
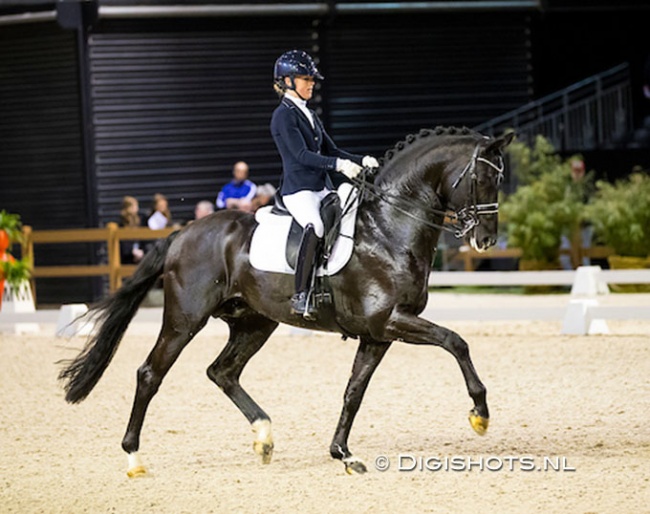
{"x": 541, "y": 278}
{"x": 579, "y": 320}
{"x": 69, "y": 324}
{"x": 582, "y": 316}
{"x": 18, "y": 302}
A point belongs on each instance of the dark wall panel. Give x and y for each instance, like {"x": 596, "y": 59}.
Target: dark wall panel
{"x": 176, "y": 105}
{"x": 40, "y": 138}
{"x": 41, "y": 160}
{"x": 392, "y": 75}
{"x": 622, "y": 37}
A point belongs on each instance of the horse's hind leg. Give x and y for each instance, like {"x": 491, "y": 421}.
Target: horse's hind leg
{"x": 369, "y": 355}
{"x": 171, "y": 341}
{"x": 248, "y": 334}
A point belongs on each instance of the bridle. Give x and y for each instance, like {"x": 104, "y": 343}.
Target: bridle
{"x": 461, "y": 221}
{"x": 468, "y": 216}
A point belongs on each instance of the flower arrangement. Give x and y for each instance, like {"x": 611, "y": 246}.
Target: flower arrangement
{"x": 13, "y": 271}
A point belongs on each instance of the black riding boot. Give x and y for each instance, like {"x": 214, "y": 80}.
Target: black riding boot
{"x": 307, "y": 256}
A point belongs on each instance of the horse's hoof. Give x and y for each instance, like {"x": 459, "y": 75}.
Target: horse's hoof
{"x": 263, "y": 444}
{"x": 138, "y": 471}
{"x": 136, "y": 468}
{"x": 479, "y": 423}
{"x": 354, "y": 466}
{"x": 264, "y": 450}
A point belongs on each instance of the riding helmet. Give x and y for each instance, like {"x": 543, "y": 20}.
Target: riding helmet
{"x": 293, "y": 63}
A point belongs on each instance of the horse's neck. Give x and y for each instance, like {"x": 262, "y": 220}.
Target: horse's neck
{"x": 401, "y": 227}
{"x": 410, "y": 184}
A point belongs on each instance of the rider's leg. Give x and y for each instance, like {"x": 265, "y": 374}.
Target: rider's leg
{"x": 304, "y": 206}
{"x": 307, "y": 257}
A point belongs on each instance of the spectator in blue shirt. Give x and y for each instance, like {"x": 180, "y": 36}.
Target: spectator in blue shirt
{"x": 239, "y": 192}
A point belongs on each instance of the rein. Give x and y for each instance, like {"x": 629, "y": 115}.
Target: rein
{"x": 467, "y": 217}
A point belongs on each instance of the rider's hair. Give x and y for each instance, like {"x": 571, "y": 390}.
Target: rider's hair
{"x": 278, "y": 89}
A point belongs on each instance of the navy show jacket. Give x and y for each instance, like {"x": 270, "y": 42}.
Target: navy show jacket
{"x": 308, "y": 153}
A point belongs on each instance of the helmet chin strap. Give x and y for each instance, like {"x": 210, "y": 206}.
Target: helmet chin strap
{"x": 293, "y": 88}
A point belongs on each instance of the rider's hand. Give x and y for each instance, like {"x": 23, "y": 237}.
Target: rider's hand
{"x": 370, "y": 162}
{"x": 348, "y": 168}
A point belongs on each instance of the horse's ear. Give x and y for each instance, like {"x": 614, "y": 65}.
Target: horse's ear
{"x": 500, "y": 143}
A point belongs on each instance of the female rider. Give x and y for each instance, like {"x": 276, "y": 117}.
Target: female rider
{"x": 309, "y": 157}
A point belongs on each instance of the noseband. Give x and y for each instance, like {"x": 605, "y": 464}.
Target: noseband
{"x": 463, "y": 220}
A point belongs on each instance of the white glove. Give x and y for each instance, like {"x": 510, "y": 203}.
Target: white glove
{"x": 348, "y": 168}
{"x": 370, "y": 162}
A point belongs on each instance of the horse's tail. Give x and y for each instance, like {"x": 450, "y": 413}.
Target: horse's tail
{"x": 112, "y": 316}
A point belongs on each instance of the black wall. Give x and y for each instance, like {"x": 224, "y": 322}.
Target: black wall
{"x": 42, "y": 174}
{"x": 570, "y": 46}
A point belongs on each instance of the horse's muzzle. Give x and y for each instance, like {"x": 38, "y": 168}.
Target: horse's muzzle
{"x": 482, "y": 244}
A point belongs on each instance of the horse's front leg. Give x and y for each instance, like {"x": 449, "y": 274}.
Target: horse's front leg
{"x": 411, "y": 329}
{"x": 368, "y": 357}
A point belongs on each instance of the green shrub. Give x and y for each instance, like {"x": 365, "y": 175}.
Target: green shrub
{"x": 546, "y": 206}
{"x": 620, "y": 214}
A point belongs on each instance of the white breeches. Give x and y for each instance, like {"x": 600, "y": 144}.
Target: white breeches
{"x": 304, "y": 206}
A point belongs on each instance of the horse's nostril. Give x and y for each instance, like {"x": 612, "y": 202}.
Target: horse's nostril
{"x": 488, "y": 241}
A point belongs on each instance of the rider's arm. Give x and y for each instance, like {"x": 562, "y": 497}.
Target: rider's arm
{"x": 332, "y": 149}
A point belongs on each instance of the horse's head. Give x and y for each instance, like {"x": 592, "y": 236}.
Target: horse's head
{"x": 473, "y": 192}
{"x": 446, "y": 172}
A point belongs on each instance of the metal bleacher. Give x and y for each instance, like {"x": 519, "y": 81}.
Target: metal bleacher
{"x": 595, "y": 113}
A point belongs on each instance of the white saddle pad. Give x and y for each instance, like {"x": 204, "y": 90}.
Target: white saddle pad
{"x": 270, "y": 238}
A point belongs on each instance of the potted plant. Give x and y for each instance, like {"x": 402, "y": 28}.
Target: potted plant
{"x": 620, "y": 214}
{"x": 546, "y": 205}
{"x": 14, "y": 272}
{"x": 10, "y": 230}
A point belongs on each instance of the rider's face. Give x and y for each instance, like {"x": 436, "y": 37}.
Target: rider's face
{"x": 304, "y": 86}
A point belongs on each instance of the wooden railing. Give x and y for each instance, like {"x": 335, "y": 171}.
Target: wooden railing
{"x": 470, "y": 257}
{"x": 111, "y": 235}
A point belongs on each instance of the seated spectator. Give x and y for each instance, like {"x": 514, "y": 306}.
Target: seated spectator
{"x": 160, "y": 216}
{"x": 203, "y": 209}
{"x": 131, "y": 252}
{"x": 239, "y": 192}
{"x": 264, "y": 196}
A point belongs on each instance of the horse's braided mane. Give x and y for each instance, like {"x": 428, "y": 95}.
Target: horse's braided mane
{"x": 411, "y": 138}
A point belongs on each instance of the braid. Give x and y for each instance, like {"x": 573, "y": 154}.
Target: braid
{"x": 411, "y": 138}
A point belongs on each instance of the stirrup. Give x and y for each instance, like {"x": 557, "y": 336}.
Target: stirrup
{"x": 301, "y": 306}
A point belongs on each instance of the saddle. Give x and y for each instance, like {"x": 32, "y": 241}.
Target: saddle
{"x": 271, "y": 247}
{"x": 330, "y": 212}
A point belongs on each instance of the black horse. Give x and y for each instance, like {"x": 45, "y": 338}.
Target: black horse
{"x": 438, "y": 174}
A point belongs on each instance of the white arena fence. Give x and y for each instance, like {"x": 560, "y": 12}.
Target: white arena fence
{"x": 582, "y": 315}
